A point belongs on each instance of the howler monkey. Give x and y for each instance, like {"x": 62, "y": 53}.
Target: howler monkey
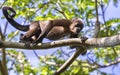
{"x": 51, "y": 29}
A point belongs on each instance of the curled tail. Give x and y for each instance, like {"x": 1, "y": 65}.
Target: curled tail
{"x": 12, "y": 21}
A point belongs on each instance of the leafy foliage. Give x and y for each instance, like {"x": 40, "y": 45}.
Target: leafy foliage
{"x": 31, "y": 10}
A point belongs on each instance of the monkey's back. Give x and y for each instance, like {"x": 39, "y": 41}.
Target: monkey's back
{"x": 57, "y": 32}
{"x": 60, "y": 29}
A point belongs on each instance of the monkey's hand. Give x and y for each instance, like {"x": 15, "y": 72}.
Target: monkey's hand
{"x": 83, "y": 39}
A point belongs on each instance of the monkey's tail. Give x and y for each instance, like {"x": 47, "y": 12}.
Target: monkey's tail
{"x": 12, "y": 21}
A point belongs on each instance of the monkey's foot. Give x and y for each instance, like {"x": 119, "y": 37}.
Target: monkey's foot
{"x": 27, "y": 45}
{"x": 34, "y": 43}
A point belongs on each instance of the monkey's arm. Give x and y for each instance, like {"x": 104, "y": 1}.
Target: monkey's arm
{"x": 45, "y": 31}
{"x": 31, "y": 35}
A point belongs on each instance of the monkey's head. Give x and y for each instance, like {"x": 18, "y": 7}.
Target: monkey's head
{"x": 76, "y": 25}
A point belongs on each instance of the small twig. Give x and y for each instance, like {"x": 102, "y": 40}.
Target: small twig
{"x": 1, "y": 35}
{"x": 96, "y": 7}
{"x": 115, "y": 53}
{"x": 6, "y": 25}
{"x": 3, "y": 4}
{"x": 36, "y": 54}
{"x": 103, "y": 16}
{"x": 97, "y": 24}
{"x": 43, "y": 5}
{"x": 61, "y": 13}
{"x": 15, "y": 33}
{"x": 108, "y": 64}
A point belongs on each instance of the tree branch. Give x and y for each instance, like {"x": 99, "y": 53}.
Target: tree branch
{"x": 93, "y": 42}
{"x": 95, "y": 66}
{"x": 70, "y": 60}
{"x": 97, "y": 24}
{"x": 2, "y": 69}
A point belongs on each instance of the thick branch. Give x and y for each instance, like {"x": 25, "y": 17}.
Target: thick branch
{"x": 107, "y": 41}
{"x": 93, "y": 42}
{"x": 70, "y": 60}
{"x": 2, "y": 69}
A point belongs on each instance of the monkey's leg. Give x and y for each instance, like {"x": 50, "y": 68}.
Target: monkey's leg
{"x": 32, "y": 33}
{"x": 31, "y": 39}
{"x": 44, "y": 33}
{"x": 33, "y": 29}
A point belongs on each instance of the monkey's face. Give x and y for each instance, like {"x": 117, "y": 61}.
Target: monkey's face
{"x": 76, "y": 26}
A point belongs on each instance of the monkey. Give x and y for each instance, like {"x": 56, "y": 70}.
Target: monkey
{"x": 36, "y": 31}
